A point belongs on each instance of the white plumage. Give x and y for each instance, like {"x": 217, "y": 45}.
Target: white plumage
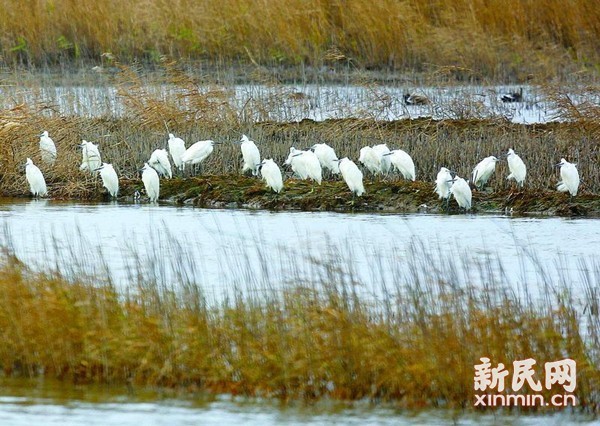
{"x": 251, "y": 155}
{"x": 483, "y": 171}
{"x": 443, "y": 183}
{"x": 47, "y": 148}
{"x": 327, "y": 157}
{"x": 352, "y": 176}
{"x": 91, "y": 159}
{"x": 517, "y": 167}
{"x": 569, "y": 176}
{"x": 385, "y": 162}
{"x": 176, "y": 149}
{"x": 35, "y": 178}
{"x": 369, "y": 158}
{"x": 159, "y": 161}
{"x": 305, "y": 164}
{"x": 110, "y": 180}
{"x": 197, "y": 152}
{"x": 403, "y": 162}
{"x": 151, "y": 182}
{"x": 271, "y": 173}
{"x": 462, "y": 192}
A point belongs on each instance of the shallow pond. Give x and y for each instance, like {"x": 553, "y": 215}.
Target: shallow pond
{"x": 218, "y": 249}
{"x": 258, "y": 250}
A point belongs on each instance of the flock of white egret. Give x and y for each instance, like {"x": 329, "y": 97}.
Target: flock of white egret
{"x": 306, "y": 164}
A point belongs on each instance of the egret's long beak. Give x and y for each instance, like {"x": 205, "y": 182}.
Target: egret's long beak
{"x": 558, "y": 165}
{"x": 99, "y": 168}
{"x": 387, "y": 153}
{"x": 217, "y": 143}
{"x": 296, "y": 155}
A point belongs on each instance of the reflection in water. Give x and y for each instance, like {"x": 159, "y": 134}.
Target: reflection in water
{"x": 220, "y": 249}
{"x": 43, "y": 403}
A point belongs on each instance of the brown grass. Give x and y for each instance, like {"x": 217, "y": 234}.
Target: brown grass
{"x": 306, "y": 339}
{"x": 466, "y": 39}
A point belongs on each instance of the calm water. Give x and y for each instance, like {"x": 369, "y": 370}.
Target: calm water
{"x": 221, "y": 249}
{"x": 48, "y": 403}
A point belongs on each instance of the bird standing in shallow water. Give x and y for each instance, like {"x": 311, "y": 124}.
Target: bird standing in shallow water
{"x": 271, "y": 173}
{"x": 517, "y": 167}
{"x": 47, "y": 148}
{"x": 569, "y": 176}
{"x": 35, "y": 178}
{"x": 151, "y": 182}
{"x": 110, "y": 180}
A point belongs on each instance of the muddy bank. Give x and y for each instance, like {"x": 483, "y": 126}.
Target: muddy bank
{"x": 235, "y": 191}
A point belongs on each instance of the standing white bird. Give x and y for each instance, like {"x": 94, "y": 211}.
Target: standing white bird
{"x": 369, "y": 158}
{"x": 250, "y": 154}
{"x": 197, "y": 152}
{"x": 517, "y": 167}
{"x": 327, "y": 157}
{"x": 443, "y": 183}
{"x": 403, "y": 162}
{"x": 462, "y": 192}
{"x": 90, "y": 156}
{"x": 569, "y": 176}
{"x": 159, "y": 161}
{"x": 47, "y": 148}
{"x": 110, "y": 180}
{"x": 176, "y": 149}
{"x": 35, "y": 178}
{"x": 271, "y": 173}
{"x": 483, "y": 171}
{"x": 352, "y": 176}
{"x": 385, "y": 161}
{"x": 305, "y": 164}
{"x": 151, "y": 182}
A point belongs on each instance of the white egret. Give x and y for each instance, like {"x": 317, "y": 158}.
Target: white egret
{"x": 159, "y": 161}
{"x": 47, "y": 148}
{"x": 517, "y": 167}
{"x": 110, "y": 180}
{"x": 176, "y": 149}
{"x": 403, "y": 162}
{"x": 151, "y": 182}
{"x": 327, "y": 157}
{"x": 91, "y": 159}
{"x": 305, "y": 164}
{"x": 197, "y": 152}
{"x": 352, "y": 176}
{"x": 569, "y": 176}
{"x": 35, "y": 178}
{"x": 271, "y": 173}
{"x": 384, "y": 160}
{"x": 483, "y": 171}
{"x": 462, "y": 192}
{"x": 369, "y": 158}
{"x": 250, "y": 154}
{"x": 443, "y": 183}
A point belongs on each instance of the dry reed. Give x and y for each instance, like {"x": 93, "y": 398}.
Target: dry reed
{"x": 465, "y": 40}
